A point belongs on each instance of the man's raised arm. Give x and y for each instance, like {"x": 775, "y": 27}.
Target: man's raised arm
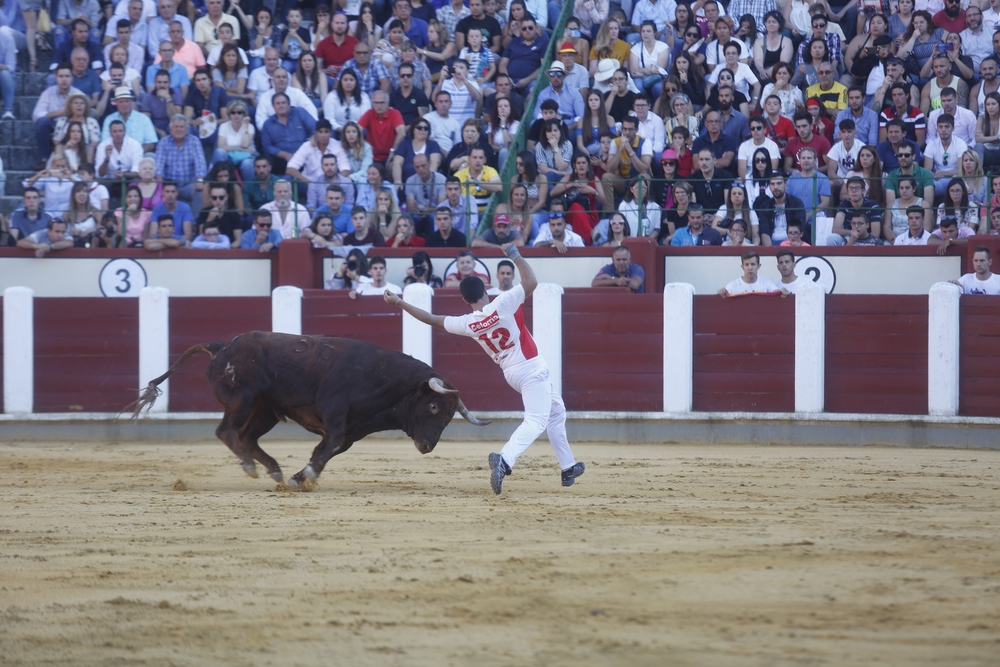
{"x": 419, "y": 313}
{"x": 528, "y": 280}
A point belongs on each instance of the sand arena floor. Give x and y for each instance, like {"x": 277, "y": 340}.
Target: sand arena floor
{"x": 659, "y": 555}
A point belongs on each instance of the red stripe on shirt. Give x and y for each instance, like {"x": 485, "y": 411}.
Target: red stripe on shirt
{"x": 528, "y": 347}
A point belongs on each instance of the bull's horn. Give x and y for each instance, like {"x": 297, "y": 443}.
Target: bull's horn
{"x": 471, "y": 418}
{"x": 438, "y": 386}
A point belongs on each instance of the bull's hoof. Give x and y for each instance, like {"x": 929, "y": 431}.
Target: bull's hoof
{"x": 309, "y": 473}
{"x": 250, "y": 468}
{"x": 277, "y": 476}
{"x": 293, "y": 483}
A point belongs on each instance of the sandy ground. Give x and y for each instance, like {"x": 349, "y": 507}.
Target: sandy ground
{"x": 659, "y": 555}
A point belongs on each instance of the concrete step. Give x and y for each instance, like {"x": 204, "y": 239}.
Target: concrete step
{"x": 14, "y": 180}
{"x": 8, "y": 204}
{"x": 19, "y": 158}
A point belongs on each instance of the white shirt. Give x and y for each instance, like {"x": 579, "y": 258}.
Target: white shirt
{"x": 653, "y": 130}
{"x": 714, "y": 51}
{"x": 936, "y": 151}
{"x": 98, "y": 195}
{"x": 499, "y": 329}
{"x": 309, "y": 161}
{"x": 845, "y": 159}
{"x": 570, "y": 238}
{"x": 748, "y": 148}
{"x": 260, "y": 81}
{"x": 297, "y": 98}
{"x": 213, "y": 56}
{"x": 339, "y": 114}
{"x": 645, "y": 58}
{"x": 973, "y": 285}
{"x": 136, "y": 56}
{"x": 906, "y": 239}
{"x": 295, "y": 214}
{"x": 965, "y": 125}
{"x": 127, "y": 159}
{"x": 793, "y": 287}
{"x": 743, "y": 79}
{"x": 445, "y": 131}
{"x": 763, "y": 285}
{"x": 463, "y": 106}
{"x": 369, "y": 289}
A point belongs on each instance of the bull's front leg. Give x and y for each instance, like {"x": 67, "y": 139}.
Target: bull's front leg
{"x": 332, "y": 444}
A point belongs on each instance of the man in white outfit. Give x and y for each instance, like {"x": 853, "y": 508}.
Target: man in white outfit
{"x": 499, "y": 328}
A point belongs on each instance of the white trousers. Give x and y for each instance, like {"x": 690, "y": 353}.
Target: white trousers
{"x": 543, "y": 410}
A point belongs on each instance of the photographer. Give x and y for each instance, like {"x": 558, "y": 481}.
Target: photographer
{"x": 263, "y": 237}
{"x": 422, "y": 271}
{"x": 352, "y": 274}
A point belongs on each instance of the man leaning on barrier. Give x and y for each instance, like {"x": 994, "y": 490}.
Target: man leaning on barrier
{"x": 621, "y": 272}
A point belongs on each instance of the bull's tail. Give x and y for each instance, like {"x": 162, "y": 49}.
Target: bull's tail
{"x": 152, "y": 391}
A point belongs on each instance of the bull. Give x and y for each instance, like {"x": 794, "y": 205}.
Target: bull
{"x": 342, "y": 390}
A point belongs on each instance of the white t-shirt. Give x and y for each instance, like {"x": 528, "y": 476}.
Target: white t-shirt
{"x": 213, "y": 56}
{"x": 743, "y": 79}
{"x": 754, "y": 221}
{"x": 463, "y": 105}
{"x": 570, "y": 238}
{"x": 972, "y": 285}
{"x": 748, "y": 148}
{"x": 644, "y": 58}
{"x": 794, "y": 286}
{"x": 499, "y": 329}
{"x": 446, "y": 131}
{"x": 906, "y": 239}
{"x": 98, "y": 195}
{"x": 936, "y": 150}
{"x": 714, "y": 54}
{"x": 369, "y": 289}
{"x": 763, "y": 285}
{"x": 846, "y": 159}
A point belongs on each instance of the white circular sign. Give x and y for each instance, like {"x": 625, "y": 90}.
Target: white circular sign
{"x": 818, "y": 270}
{"x": 122, "y": 277}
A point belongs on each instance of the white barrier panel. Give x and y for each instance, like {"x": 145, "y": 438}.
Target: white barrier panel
{"x": 943, "y": 349}
{"x": 810, "y": 348}
{"x": 547, "y": 325}
{"x": 678, "y": 347}
{"x": 286, "y": 310}
{"x": 18, "y": 350}
{"x": 417, "y": 340}
{"x": 154, "y": 341}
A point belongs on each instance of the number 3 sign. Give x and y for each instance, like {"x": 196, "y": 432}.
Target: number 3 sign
{"x": 818, "y": 270}
{"x": 122, "y": 277}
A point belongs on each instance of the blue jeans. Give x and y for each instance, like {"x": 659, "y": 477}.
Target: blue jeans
{"x": 555, "y": 8}
{"x": 245, "y": 167}
{"x": 7, "y": 89}
{"x": 652, "y": 83}
{"x": 43, "y": 135}
{"x": 255, "y": 63}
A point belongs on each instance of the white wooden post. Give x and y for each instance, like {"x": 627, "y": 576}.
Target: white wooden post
{"x": 547, "y": 325}
{"x": 678, "y": 347}
{"x": 942, "y": 349}
{"x": 810, "y": 348}
{"x": 417, "y": 340}
{"x": 286, "y": 310}
{"x": 154, "y": 341}
{"x": 18, "y": 350}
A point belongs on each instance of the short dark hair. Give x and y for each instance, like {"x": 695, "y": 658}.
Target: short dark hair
{"x": 749, "y": 254}
{"x": 981, "y": 248}
{"x": 914, "y": 209}
{"x": 802, "y": 115}
{"x": 895, "y": 122}
{"x": 261, "y": 157}
{"x": 785, "y": 252}
{"x": 336, "y": 187}
{"x": 847, "y": 124}
{"x": 123, "y": 23}
{"x": 277, "y": 95}
{"x": 377, "y": 259}
{"x": 472, "y": 289}
{"x": 948, "y": 221}
{"x": 172, "y": 184}
{"x": 261, "y": 213}
{"x": 550, "y": 105}
{"x": 859, "y": 214}
{"x": 164, "y": 216}
{"x": 358, "y": 209}
{"x": 323, "y": 124}
{"x": 507, "y": 262}
{"x": 946, "y": 119}
{"x": 949, "y": 91}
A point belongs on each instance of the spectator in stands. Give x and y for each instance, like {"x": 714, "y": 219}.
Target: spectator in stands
{"x": 895, "y": 132}
{"x": 418, "y": 142}
{"x": 363, "y": 233}
{"x": 384, "y": 127}
{"x": 285, "y": 131}
{"x": 843, "y": 157}
{"x": 44, "y": 241}
{"x": 809, "y": 185}
{"x": 569, "y": 100}
{"x": 777, "y": 212}
{"x": 425, "y": 190}
{"x": 405, "y": 238}
{"x": 372, "y": 74}
{"x": 444, "y": 128}
{"x": 465, "y": 94}
{"x": 965, "y": 120}
{"x": 202, "y": 99}
{"x": 352, "y": 273}
{"x": 30, "y": 218}
{"x": 262, "y": 33}
{"x": 982, "y": 280}
{"x": 860, "y": 234}
{"x": 51, "y": 105}
{"x": 410, "y": 101}
{"x": 180, "y": 211}
{"x": 855, "y": 203}
{"x": 162, "y": 103}
{"x": 336, "y": 49}
{"x": 631, "y": 156}
{"x": 750, "y": 282}
{"x": 149, "y": 187}
{"x": 221, "y": 215}
{"x": 55, "y": 183}
{"x": 8, "y": 66}
{"x": 358, "y": 151}
{"x": 263, "y": 237}
{"x": 949, "y": 233}
{"x": 289, "y": 217}
{"x": 505, "y": 278}
{"x": 915, "y": 234}
{"x": 118, "y": 73}
{"x": 236, "y": 140}
{"x": 709, "y": 183}
{"x": 696, "y": 232}
{"x": 136, "y": 222}
{"x": 555, "y": 234}
{"x": 260, "y": 80}
{"x": 795, "y": 236}
{"x": 758, "y": 140}
{"x": 943, "y": 154}
{"x": 166, "y": 236}
{"x": 158, "y": 30}
{"x": 499, "y": 234}
{"x": 451, "y": 13}
{"x": 180, "y": 158}
{"x": 458, "y": 157}
{"x": 229, "y": 70}
{"x": 212, "y": 239}
{"x": 185, "y": 52}
{"x": 80, "y": 37}
{"x": 78, "y": 112}
{"x": 866, "y": 121}
{"x": 482, "y": 62}
{"x": 206, "y": 29}
{"x": 479, "y": 179}
{"x": 335, "y": 207}
{"x": 478, "y": 20}
{"x": 905, "y": 155}
{"x": 329, "y": 175}
{"x": 723, "y": 147}
{"x": 804, "y": 138}
{"x": 129, "y": 32}
{"x": 259, "y": 191}
{"x": 833, "y": 43}
{"x": 621, "y": 272}
{"x": 321, "y": 232}
{"x": 85, "y": 79}
{"x": 445, "y": 236}
{"x": 296, "y": 98}
{"x": 465, "y": 266}
{"x": 376, "y": 267}
{"x": 346, "y": 102}
{"x": 385, "y": 213}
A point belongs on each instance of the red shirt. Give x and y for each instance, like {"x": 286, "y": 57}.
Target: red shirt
{"x": 956, "y": 24}
{"x": 381, "y": 131}
{"x": 795, "y": 144}
{"x": 685, "y": 164}
{"x": 415, "y": 242}
{"x": 331, "y": 54}
{"x": 783, "y": 129}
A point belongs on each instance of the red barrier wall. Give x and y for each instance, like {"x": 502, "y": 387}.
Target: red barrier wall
{"x": 744, "y": 353}
{"x": 461, "y": 360}
{"x": 86, "y": 354}
{"x": 197, "y": 320}
{"x": 979, "y": 383}
{"x": 369, "y": 318}
{"x": 876, "y": 354}
{"x": 612, "y": 350}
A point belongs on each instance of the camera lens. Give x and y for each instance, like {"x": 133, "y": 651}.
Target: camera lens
{"x": 352, "y": 265}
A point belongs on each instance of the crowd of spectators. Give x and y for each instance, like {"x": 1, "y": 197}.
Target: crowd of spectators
{"x": 744, "y": 122}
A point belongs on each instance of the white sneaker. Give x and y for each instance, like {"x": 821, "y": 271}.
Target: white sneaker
{"x": 8, "y": 115}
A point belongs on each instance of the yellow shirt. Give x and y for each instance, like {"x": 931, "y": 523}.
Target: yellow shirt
{"x": 478, "y": 194}
{"x": 834, "y": 99}
{"x": 622, "y": 52}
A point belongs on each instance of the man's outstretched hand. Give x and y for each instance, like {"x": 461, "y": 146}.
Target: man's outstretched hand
{"x": 391, "y": 298}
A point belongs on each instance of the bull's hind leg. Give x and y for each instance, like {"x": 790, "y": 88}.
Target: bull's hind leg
{"x": 260, "y": 422}
{"x": 329, "y": 446}
{"x": 228, "y": 432}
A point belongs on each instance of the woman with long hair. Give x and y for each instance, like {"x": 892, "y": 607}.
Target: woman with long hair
{"x": 81, "y": 217}
{"x": 366, "y": 194}
{"x": 900, "y": 20}
{"x": 759, "y": 172}
{"x": 690, "y": 43}
{"x": 536, "y": 184}
{"x": 608, "y": 45}
{"x": 584, "y": 196}
{"x": 309, "y": 79}
{"x": 439, "y": 50}
{"x": 320, "y": 27}
{"x": 648, "y": 60}
{"x": 684, "y": 19}
{"x": 771, "y": 47}
{"x": 72, "y": 147}
{"x": 869, "y": 168}
{"x": 682, "y": 115}
{"x": 417, "y": 142}
{"x": 386, "y": 213}
{"x": 781, "y": 86}
{"x": 136, "y": 220}
{"x": 392, "y": 43}
{"x": 618, "y": 230}
{"x": 502, "y": 127}
{"x": 516, "y": 9}
{"x": 78, "y": 110}
{"x": 676, "y": 217}
{"x": 595, "y": 121}
{"x": 366, "y": 29}
{"x": 458, "y": 157}
{"x": 321, "y": 233}
{"x": 726, "y": 78}
{"x": 352, "y": 272}
{"x": 643, "y": 214}
{"x": 974, "y": 176}
{"x": 988, "y": 131}
{"x": 358, "y": 151}
{"x": 554, "y": 153}
{"x": 222, "y": 174}
{"x": 236, "y": 140}
{"x": 422, "y": 271}
{"x": 821, "y": 120}
{"x": 231, "y": 74}
{"x": 149, "y": 186}
{"x": 690, "y": 81}
{"x": 860, "y": 56}
{"x": 956, "y": 205}
{"x": 518, "y": 209}
{"x": 737, "y": 208}
{"x": 816, "y": 52}
{"x": 895, "y": 222}
{"x": 347, "y": 102}
{"x": 920, "y": 40}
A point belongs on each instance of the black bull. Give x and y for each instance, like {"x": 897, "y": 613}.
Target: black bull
{"x": 339, "y": 389}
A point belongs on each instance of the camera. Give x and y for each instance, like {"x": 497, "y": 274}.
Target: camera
{"x": 947, "y": 46}
{"x": 352, "y": 265}
{"x": 575, "y": 34}
{"x": 419, "y": 271}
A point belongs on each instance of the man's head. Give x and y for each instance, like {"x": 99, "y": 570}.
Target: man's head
{"x": 165, "y": 226}
{"x": 32, "y": 199}
{"x": 170, "y": 193}
{"x": 283, "y": 193}
{"x": 178, "y": 127}
{"x": 81, "y": 31}
{"x": 80, "y": 61}
{"x": 226, "y": 35}
{"x": 262, "y": 168}
{"x": 117, "y": 132}
{"x": 696, "y": 218}
{"x": 442, "y": 217}
{"x": 803, "y": 126}
{"x": 622, "y": 259}
{"x": 557, "y": 75}
{"x": 795, "y": 233}
{"x": 57, "y": 230}
{"x": 945, "y": 126}
{"x": 167, "y": 51}
{"x": 460, "y": 70}
{"x": 529, "y": 29}
{"x": 949, "y": 101}
{"x": 859, "y": 224}
{"x": 501, "y": 227}
{"x": 166, "y": 9}
{"x": 376, "y": 269}
{"x": 856, "y": 189}
{"x": 847, "y": 130}
{"x": 162, "y": 80}
{"x": 280, "y": 79}
{"x": 989, "y": 67}
{"x": 262, "y": 221}
{"x": 203, "y": 80}
{"x": 422, "y": 165}
{"x": 477, "y": 157}
{"x": 329, "y": 167}
{"x": 505, "y": 275}
{"x": 453, "y": 190}
{"x": 706, "y": 160}
{"x": 777, "y": 186}
{"x": 941, "y": 65}
{"x": 504, "y": 84}
{"x": 807, "y": 159}
{"x": 557, "y": 223}
{"x": 134, "y": 11}
{"x": 786, "y": 259}
{"x": 819, "y": 25}
{"x": 272, "y": 59}
{"x": 855, "y": 99}
{"x": 64, "y": 77}
{"x": 750, "y": 261}
{"x": 981, "y": 260}
{"x": 825, "y": 72}
{"x": 282, "y": 107}
{"x": 948, "y": 225}
{"x": 725, "y": 98}
{"x": 338, "y": 24}
{"x": 214, "y": 8}
{"x": 900, "y": 96}
{"x": 335, "y": 198}
{"x": 176, "y": 32}
{"x": 915, "y": 220}
{"x": 442, "y": 103}
{"x": 973, "y": 17}
{"x": 380, "y": 102}
{"x": 476, "y": 8}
